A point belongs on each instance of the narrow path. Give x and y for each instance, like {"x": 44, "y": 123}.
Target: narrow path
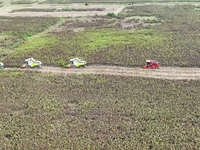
{"x": 49, "y": 29}
{"x": 162, "y": 73}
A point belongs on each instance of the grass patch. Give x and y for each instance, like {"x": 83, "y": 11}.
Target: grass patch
{"x": 96, "y": 46}
{"x": 15, "y": 30}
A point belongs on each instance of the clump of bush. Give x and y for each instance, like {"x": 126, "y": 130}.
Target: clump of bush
{"x": 110, "y": 15}
{"x": 67, "y": 9}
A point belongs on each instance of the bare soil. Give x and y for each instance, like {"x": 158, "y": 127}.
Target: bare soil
{"x": 6, "y": 10}
{"x": 161, "y": 73}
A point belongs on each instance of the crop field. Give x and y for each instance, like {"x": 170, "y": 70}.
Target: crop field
{"x": 112, "y": 103}
{"x": 97, "y": 112}
{"x": 169, "y": 34}
{"x": 16, "y": 30}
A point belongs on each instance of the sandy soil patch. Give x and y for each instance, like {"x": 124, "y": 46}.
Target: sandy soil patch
{"x": 169, "y": 3}
{"x": 6, "y": 10}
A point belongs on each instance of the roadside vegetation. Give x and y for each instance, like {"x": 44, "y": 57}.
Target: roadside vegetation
{"x": 46, "y": 111}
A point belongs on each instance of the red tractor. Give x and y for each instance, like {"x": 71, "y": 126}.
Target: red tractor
{"x": 151, "y": 64}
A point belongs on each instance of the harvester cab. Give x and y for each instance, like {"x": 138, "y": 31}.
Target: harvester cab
{"x": 32, "y": 63}
{"x": 151, "y": 64}
{"x": 1, "y": 65}
{"x": 77, "y": 63}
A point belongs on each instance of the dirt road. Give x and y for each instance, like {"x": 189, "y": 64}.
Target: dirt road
{"x": 162, "y": 73}
{"x": 7, "y": 10}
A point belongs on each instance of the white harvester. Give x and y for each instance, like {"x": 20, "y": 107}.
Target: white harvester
{"x": 32, "y": 63}
{"x": 77, "y": 63}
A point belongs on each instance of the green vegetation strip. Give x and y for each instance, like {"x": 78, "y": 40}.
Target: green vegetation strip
{"x": 16, "y": 43}
{"x": 95, "y": 46}
{"x": 33, "y": 10}
{"x": 46, "y": 111}
{"x": 89, "y": 9}
{"x": 23, "y": 1}
{"x": 17, "y": 30}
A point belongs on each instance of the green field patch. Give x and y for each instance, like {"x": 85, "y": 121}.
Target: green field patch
{"x": 34, "y": 45}
{"x": 26, "y": 50}
{"x": 194, "y": 7}
{"x": 14, "y": 31}
{"x": 89, "y": 45}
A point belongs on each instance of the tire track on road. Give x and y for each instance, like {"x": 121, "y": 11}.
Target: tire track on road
{"x": 171, "y": 73}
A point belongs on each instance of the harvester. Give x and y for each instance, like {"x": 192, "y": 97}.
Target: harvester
{"x": 77, "y": 63}
{"x": 1, "y": 65}
{"x": 151, "y": 64}
{"x": 31, "y": 63}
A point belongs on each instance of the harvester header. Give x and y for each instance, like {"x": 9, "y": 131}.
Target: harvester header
{"x": 32, "y": 63}
{"x": 1, "y": 65}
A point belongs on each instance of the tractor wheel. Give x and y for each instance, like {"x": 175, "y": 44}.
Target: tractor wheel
{"x": 81, "y": 67}
{"x": 28, "y": 67}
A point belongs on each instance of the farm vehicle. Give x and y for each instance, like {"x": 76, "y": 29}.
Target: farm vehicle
{"x": 77, "y": 63}
{"x": 1, "y": 65}
{"x": 151, "y": 64}
{"x": 31, "y": 63}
